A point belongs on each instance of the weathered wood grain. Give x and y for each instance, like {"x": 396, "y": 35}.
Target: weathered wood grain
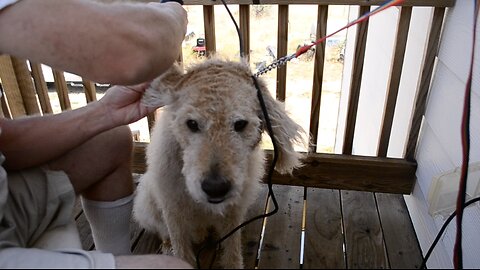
{"x": 334, "y": 171}
{"x": 431, "y": 53}
{"x": 11, "y": 88}
{"x": 26, "y": 86}
{"x": 62, "y": 90}
{"x": 251, "y": 233}
{"x": 41, "y": 87}
{"x": 363, "y": 233}
{"x": 322, "y": 21}
{"x": 323, "y": 230}
{"x": 282, "y": 47}
{"x": 281, "y": 242}
{"x": 356, "y": 81}
{"x": 400, "y": 239}
{"x": 209, "y": 25}
{"x": 394, "y": 80}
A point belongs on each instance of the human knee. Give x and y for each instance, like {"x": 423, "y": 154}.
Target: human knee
{"x": 120, "y": 143}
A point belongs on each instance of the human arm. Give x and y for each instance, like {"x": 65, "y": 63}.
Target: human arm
{"x": 117, "y": 43}
{"x": 31, "y": 141}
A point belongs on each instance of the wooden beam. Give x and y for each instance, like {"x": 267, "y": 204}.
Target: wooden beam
{"x": 422, "y": 3}
{"x": 322, "y": 19}
{"x": 355, "y": 82}
{"x": 90, "y": 90}
{"x": 10, "y": 87}
{"x": 41, "y": 88}
{"x": 394, "y": 80}
{"x": 26, "y": 86}
{"x": 420, "y": 106}
{"x": 245, "y": 29}
{"x": 209, "y": 26}
{"x": 62, "y": 90}
{"x": 282, "y": 47}
{"x": 334, "y": 171}
{"x": 432, "y": 3}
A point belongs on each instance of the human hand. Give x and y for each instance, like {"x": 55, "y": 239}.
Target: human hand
{"x": 123, "y": 103}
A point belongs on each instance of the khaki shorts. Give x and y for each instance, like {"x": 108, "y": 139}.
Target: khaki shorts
{"x": 41, "y": 200}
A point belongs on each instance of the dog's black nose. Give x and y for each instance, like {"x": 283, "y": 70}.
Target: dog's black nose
{"x": 216, "y": 188}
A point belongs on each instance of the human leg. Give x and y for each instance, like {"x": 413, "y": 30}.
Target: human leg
{"x": 99, "y": 170}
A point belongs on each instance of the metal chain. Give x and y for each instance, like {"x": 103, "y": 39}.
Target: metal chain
{"x": 275, "y": 64}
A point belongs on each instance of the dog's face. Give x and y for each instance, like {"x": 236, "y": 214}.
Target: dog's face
{"x": 218, "y": 123}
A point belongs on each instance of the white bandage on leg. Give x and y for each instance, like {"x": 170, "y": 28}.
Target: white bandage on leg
{"x": 110, "y": 223}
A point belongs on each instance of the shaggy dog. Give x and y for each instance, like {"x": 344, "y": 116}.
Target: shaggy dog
{"x": 204, "y": 161}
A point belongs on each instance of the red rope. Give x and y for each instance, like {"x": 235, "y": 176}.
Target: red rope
{"x": 363, "y": 18}
{"x": 465, "y": 130}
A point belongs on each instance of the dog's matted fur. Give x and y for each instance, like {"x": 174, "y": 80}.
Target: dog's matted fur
{"x": 204, "y": 160}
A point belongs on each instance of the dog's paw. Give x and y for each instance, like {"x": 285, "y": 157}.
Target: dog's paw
{"x": 166, "y": 248}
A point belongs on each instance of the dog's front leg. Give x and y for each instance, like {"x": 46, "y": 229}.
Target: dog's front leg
{"x": 231, "y": 257}
{"x": 180, "y": 237}
{"x": 182, "y": 248}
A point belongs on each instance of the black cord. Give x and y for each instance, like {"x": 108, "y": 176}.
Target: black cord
{"x": 442, "y": 230}
{"x": 268, "y": 125}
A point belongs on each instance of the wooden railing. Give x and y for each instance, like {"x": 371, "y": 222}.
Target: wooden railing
{"x": 379, "y": 173}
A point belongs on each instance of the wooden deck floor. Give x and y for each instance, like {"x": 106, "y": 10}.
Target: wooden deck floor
{"x": 331, "y": 228}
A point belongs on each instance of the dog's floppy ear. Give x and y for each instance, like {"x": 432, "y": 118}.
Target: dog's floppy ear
{"x": 287, "y": 133}
{"x": 162, "y": 90}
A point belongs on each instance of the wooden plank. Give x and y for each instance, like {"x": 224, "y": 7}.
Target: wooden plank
{"x": 356, "y": 81}
{"x": 394, "y": 80}
{"x": 4, "y": 112}
{"x": 433, "y": 3}
{"x": 282, "y": 46}
{"x": 322, "y": 19}
{"x": 281, "y": 242}
{"x": 41, "y": 88}
{"x": 389, "y": 175}
{"x": 62, "y": 90}
{"x": 363, "y": 234}
{"x": 436, "y": 3}
{"x": 431, "y": 52}
{"x": 90, "y": 90}
{"x": 85, "y": 232}
{"x": 25, "y": 85}
{"x": 148, "y": 243}
{"x": 209, "y": 26}
{"x": 251, "y": 233}
{"x": 10, "y": 87}
{"x": 323, "y": 230}
{"x": 352, "y": 173}
{"x": 245, "y": 29}
{"x": 402, "y": 245}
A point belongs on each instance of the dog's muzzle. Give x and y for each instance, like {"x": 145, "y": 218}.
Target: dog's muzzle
{"x": 216, "y": 187}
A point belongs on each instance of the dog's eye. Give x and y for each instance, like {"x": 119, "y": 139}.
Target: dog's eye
{"x": 240, "y": 125}
{"x": 193, "y": 125}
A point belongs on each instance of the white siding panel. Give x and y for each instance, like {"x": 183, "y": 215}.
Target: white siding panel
{"x": 471, "y": 236}
{"x": 456, "y": 46}
{"x": 444, "y": 113}
{"x": 432, "y": 159}
{"x": 440, "y": 148}
{"x": 426, "y": 230}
